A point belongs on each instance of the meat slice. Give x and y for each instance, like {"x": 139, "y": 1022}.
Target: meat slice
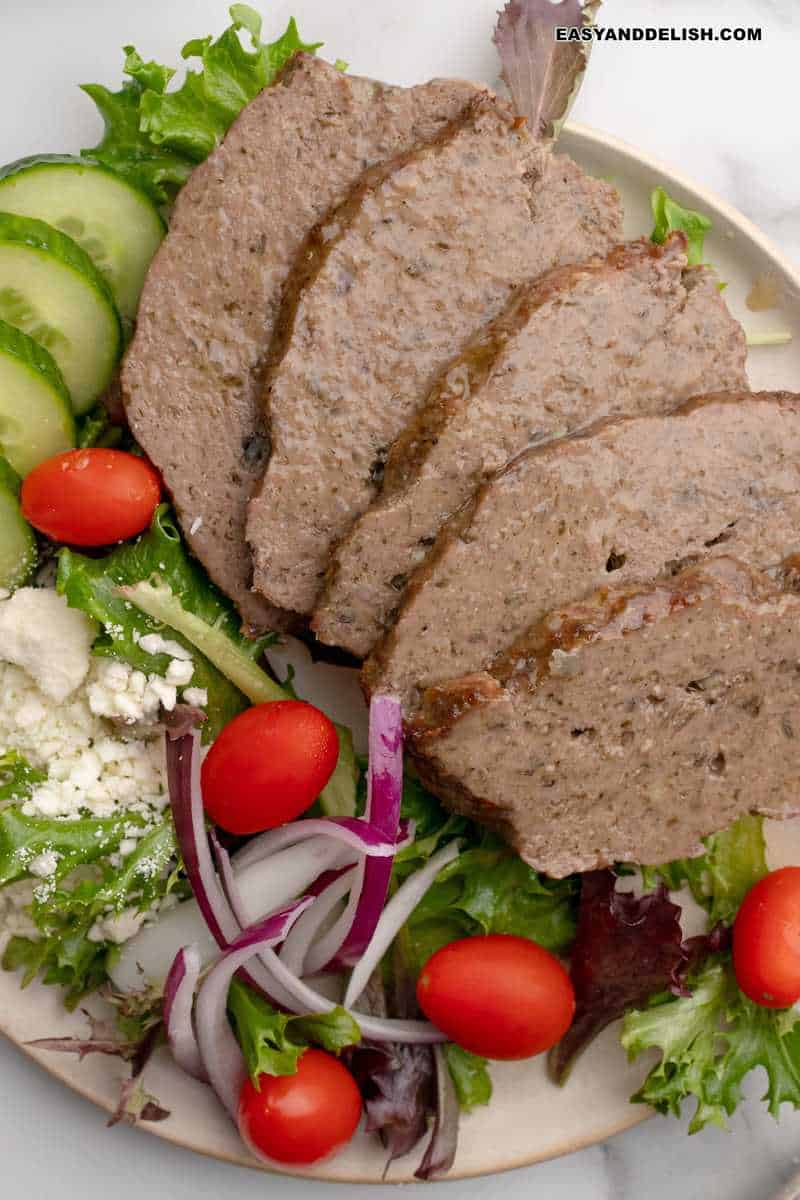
{"x": 631, "y": 725}
{"x": 423, "y": 252}
{"x": 192, "y": 379}
{"x": 623, "y": 502}
{"x": 636, "y": 332}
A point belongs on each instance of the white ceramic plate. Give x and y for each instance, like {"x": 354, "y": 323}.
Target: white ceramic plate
{"x": 529, "y": 1119}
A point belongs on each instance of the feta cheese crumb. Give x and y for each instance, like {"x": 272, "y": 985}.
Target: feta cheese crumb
{"x": 154, "y": 643}
{"x": 44, "y": 864}
{"x": 117, "y": 927}
{"x": 89, "y": 768}
{"x": 48, "y": 640}
{"x": 123, "y": 694}
{"x": 166, "y": 692}
{"x": 196, "y": 526}
{"x": 180, "y": 672}
{"x": 198, "y": 697}
{"x": 15, "y": 901}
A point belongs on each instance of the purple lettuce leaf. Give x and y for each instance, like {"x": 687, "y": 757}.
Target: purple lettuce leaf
{"x": 627, "y": 948}
{"x": 397, "y": 1086}
{"x": 542, "y": 74}
{"x": 134, "y": 1103}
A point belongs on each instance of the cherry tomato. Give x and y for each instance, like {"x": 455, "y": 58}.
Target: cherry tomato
{"x": 301, "y": 1118}
{"x": 766, "y": 940}
{"x": 91, "y": 497}
{"x": 499, "y": 996}
{"x": 268, "y": 765}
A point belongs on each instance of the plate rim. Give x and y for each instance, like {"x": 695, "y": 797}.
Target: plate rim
{"x": 594, "y": 140}
{"x": 592, "y": 136}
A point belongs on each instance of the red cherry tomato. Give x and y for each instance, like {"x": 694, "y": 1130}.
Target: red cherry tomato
{"x": 499, "y": 996}
{"x": 268, "y": 765}
{"x": 766, "y": 940}
{"x": 91, "y": 497}
{"x": 301, "y": 1118}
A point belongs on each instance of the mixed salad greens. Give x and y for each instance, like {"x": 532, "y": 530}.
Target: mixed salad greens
{"x": 389, "y": 881}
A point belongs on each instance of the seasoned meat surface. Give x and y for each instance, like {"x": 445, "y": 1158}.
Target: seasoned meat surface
{"x": 629, "y": 726}
{"x": 192, "y": 376}
{"x": 624, "y": 502}
{"x": 424, "y": 251}
{"x": 636, "y": 332}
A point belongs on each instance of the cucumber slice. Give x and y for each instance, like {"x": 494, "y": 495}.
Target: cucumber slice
{"x": 116, "y": 224}
{"x": 51, "y": 290}
{"x": 18, "y": 554}
{"x": 9, "y": 479}
{"x": 36, "y": 419}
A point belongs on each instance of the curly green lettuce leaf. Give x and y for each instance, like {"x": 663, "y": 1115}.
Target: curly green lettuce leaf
{"x": 470, "y": 1075}
{"x": 67, "y": 905}
{"x": 153, "y": 136}
{"x": 709, "y": 1042}
{"x": 83, "y": 840}
{"x": 216, "y": 635}
{"x": 720, "y": 879}
{"x": 17, "y": 777}
{"x": 487, "y": 889}
{"x": 159, "y": 559}
{"x": 86, "y": 883}
{"x": 433, "y": 825}
{"x": 273, "y": 1042}
{"x": 669, "y": 216}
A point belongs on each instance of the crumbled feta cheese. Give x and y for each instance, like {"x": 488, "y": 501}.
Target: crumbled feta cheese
{"x": 123, "y": 694}
{"x": 89, "y": 769}
{"x": 117, "y": 927}
{"x": 154, "y": 643}
{"x": 195, "y": 526}
{"x": 50, "y": 641}
{"x": 30, "y": 712}
{"x": 44, "y": 864}
{"x": 115, "y": 675}
{"x": 166, "y": 692}
{"x": 180, "y": 672}
{"x": 15, "y": 902}
{"x": 196, "y": 696}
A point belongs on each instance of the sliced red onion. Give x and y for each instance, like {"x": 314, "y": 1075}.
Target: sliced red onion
{"x": 224, "y": 922}
{"x": 265, "y": 886}
{"x": 305, "y": 999}
{"x": 324, "y": 954}
{"x": 219, "y": 1051}
{"x": 296, "y": 947}
{"x": 255, "y": 974}
{"x": 441, "y": 1152}
{"x": 230, "y": 887}
{"x": 384, "y": 794}
{"x": 358, "y": 834}
{"x": 183, "y": 778}
{"x": 178, "y": 1007}
{"x": 186, "y": 799}
{"x": 394, "y": 917}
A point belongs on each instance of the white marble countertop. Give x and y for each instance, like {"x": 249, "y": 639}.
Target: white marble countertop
{"x": 724, "y": 114}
